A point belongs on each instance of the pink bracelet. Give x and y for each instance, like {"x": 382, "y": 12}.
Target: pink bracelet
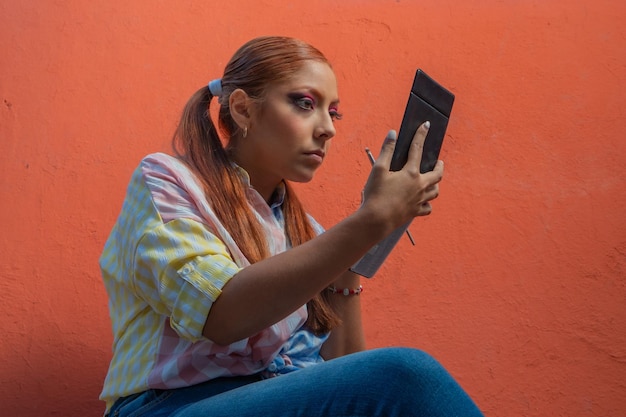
{"x": 346, "y": 291}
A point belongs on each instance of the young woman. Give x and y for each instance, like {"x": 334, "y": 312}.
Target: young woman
{"x": 226, "y": 298}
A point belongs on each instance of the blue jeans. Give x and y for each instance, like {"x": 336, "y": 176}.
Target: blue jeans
{"x": 391, "y": 382}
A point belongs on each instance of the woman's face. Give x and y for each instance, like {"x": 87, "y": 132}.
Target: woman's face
{"x": 290, "y": 131}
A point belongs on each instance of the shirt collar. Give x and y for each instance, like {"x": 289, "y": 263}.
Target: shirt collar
{"x": 278, "y": 196}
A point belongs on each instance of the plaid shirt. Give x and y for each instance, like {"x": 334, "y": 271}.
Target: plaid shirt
{"x": 164, "y": 265}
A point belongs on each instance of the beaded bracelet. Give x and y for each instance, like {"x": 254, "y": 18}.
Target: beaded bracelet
{"x": 346, "y": 291}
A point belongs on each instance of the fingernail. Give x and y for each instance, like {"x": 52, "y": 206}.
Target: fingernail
{"x": 427, "y": 125}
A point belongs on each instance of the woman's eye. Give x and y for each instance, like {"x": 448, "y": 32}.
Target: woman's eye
{"x": 305, "y": 103}
{"x": 335, "y": 115}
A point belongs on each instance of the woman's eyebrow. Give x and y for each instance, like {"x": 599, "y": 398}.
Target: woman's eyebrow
{"x": 317, "y": 93}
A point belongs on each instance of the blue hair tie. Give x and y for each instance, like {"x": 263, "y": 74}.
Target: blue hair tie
{"x": 215, "y": 87}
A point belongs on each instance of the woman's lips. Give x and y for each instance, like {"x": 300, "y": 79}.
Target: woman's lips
{"x": 318, "y": 156}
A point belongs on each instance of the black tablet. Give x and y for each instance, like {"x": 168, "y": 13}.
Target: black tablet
{"x": 428, "y": 100}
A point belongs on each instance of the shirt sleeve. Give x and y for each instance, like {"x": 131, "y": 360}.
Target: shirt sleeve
{"x": 318, "y": 228}
{"x": 180, "y": 270}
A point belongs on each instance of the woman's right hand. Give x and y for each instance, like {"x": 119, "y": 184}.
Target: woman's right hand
{"x": 395, "y": 197}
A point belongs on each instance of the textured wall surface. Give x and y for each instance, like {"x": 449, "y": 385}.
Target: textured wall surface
{"x": 518, "y": 281}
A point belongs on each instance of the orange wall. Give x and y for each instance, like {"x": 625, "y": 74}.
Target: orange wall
{"x": 518, "y": 282}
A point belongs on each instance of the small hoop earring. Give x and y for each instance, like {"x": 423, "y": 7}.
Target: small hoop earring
{"x": 245, "y": 131}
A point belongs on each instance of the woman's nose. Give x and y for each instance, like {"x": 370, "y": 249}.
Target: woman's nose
{"x": 326, "y": 128}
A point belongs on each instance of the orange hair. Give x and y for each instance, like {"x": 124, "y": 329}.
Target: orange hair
{"x": 254, "y": 68}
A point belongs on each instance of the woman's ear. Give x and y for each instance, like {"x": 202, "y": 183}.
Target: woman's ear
{"x": 240, "y": 105}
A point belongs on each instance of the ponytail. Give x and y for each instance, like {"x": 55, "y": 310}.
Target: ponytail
{"x": 322, "y": 317}
{"x": 255, "y": 66}
{"x": 197, "y": 143}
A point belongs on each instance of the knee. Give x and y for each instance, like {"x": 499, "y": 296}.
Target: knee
{"x": 402, "y": 358}
{"x": 407, "y": 367}
{"x": 400, "y": 382}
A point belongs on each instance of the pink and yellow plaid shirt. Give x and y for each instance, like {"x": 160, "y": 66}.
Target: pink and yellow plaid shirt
{"x": 164, "y": 265}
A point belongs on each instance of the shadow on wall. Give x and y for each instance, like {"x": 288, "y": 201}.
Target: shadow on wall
{"x": 55, "y": 379}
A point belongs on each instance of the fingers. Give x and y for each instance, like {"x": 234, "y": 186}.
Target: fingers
{"x": 439, "y": 167}
{"x": 436, "y": 175}
{"x": 425, "y": 209}
{"x": 387, "y": 150}
{"x": 407, "y": 192}
{"x": 417, "y": 145}
{"x": 430, "y": 193}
